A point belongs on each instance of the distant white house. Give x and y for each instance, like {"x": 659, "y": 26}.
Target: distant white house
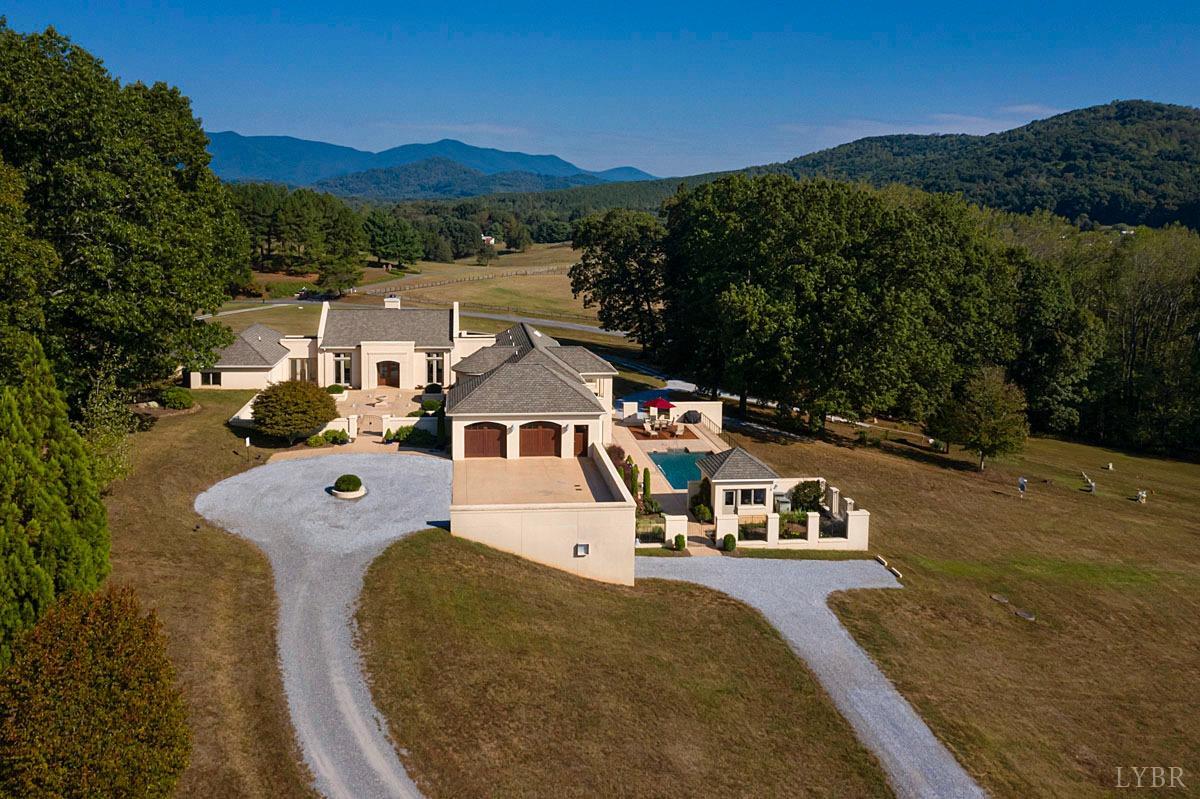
{"x": 489, "y": 240}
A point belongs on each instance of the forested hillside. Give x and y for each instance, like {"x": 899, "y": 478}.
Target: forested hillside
{"x": 1133, "y": 162}
{"x": 440, "y": 178}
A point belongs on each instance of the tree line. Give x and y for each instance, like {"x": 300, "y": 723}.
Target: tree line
{"x": 834, "y": 298}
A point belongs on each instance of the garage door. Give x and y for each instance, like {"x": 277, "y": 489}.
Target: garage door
{"x": 484, "y": 440}
{"x": 581, "y": 441}
{"x": 540, "y": 439}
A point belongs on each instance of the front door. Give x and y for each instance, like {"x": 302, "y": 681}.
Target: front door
{"x": 581, "y": 441}
{"x": 388, "y": 374}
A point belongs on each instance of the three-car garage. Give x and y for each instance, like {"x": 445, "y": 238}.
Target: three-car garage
{"x": 536, "y": 439}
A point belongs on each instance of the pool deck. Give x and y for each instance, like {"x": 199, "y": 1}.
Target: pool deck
{"x": 673, "y": 500}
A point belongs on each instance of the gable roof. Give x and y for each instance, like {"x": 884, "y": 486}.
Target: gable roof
{"x": 257, "y": 345}
{"x": 582, "y": 360}
{"x": 484, "y": 360}
{"x": 734, "y": 464}
{"x": 522, "y": 373}
{"x": 349, "y": 327}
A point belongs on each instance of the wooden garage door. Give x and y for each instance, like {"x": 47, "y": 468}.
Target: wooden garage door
{"x": 581, "y": 441}
{"x": 484, "y": 440}
{"x": 540, "y": 439}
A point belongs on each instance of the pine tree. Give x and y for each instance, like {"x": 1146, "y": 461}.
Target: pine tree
{"x": 53, "y": 526}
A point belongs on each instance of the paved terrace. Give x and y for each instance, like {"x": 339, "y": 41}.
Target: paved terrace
{"x": 520, "y": 481}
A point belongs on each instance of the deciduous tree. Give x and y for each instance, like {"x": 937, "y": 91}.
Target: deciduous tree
{"x": 293, "y": 409}
{"x": 988, "y": 419}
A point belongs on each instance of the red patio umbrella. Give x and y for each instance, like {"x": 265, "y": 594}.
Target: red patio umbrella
{"x": 660, "y": 404}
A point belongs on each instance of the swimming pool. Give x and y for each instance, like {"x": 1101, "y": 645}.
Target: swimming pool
{"x": 678, "y": 466}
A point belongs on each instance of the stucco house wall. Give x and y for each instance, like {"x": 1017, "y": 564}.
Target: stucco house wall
{"x": 548, "y": 533}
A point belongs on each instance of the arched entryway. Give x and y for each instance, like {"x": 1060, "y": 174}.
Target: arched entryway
{"x": 485, "y": 440}
{"x": 541, "y": 439}
{"x": 387, "y": 373}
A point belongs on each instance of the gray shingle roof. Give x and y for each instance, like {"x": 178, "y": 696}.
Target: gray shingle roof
{"x": 528, "y": 376}
{"x": 349, "y": 327}
{"x": 526, "y": 388}
{"x": 583, "y": 360}
{"x": 484, "y": 360}
{"x": 734, "y": 464}
{"x": 257, "y": 345}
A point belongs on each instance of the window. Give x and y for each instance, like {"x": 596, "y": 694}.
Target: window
{"x": 730, "y": 498}
{"x": 210, "y": 378}
{"x": 747, "y": 496}
{"x": 433, "y": 368}
{"x": 341, "y": 368}
{"x": 302, "y": 369}
{"x": 760, "y": 496}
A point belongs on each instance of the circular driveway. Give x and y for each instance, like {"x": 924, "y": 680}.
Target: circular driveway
{"x": 319, "y": 547}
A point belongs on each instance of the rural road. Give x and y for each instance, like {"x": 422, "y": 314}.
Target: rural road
{"x": 793, "y": 595}
{"x": 319, "y": 548}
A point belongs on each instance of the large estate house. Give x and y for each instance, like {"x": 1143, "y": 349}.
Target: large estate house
{"x": 531, "y": 423}
{"x": 356, "y": 347}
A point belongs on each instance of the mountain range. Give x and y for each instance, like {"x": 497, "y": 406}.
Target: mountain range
{"x": 300, "y": 162}
{"x": 1131, "y": 161}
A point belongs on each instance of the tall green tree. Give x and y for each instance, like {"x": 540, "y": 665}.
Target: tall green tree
{"x": 987, "y": 419}
{"x": 391, "y": 238}
{"x": 27, "y": 264}
{"x": 53, "y": 526}
{"x": 620, "y": 272}
{"x": 117, "y": 181}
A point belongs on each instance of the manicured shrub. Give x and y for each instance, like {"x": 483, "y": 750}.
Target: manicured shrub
{"x": 347, "y": 482}
{"x": 702, "y": 513}
{"x": 417, "y": 412}
{"x": 292, "y": 409}
{"x": 336, "y": 436}
{"x": 729, "y": 542}
{"x": 680, "y": 542}
{"x": 806, "y": 496}
{"x": 420, "y": 438}
{"x": 433, "y": 388}
{"x": 89, "y": 706}
{"x": 336, "y": 388}
{"x": 399, "y": 435}
{"x": 431, "y": 405}
{"x": 316, "y": 441}
{"x": 177, "y": 398}
{"x": 616, "y": 454}
{"x": 646, "y": 486}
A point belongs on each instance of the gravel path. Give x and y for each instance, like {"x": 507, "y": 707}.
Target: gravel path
{"x": 320, "y": 548}
{"x": 792, "y": 595}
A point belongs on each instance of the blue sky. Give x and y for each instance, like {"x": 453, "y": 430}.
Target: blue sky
{"x": 671, "y": 88}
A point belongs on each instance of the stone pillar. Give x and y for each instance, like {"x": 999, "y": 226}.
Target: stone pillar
{"x": 513, "y": 444}
{"x": 849, "y": 504}
{"x": 567, "y": 442}
{"x": 814, "y": 527}
{"x": 833, "y": 498}
{"x": 772, "y": 530}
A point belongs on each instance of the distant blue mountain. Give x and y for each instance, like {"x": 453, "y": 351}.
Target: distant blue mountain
{"x": 299, "y": 162}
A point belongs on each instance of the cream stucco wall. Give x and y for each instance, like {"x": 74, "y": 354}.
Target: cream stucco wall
{"x": 598, "y": 431}
{"x": 548, "y": 533}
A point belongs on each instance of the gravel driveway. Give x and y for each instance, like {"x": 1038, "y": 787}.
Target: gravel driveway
{"x": 319, "y": 548}
{"x": 792, "y": 595}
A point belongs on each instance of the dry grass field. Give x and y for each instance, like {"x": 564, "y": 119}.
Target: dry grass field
{"x": 547, "y": 295}
{"x": 1104, "y": 677}
{"x": 299, "y": 320}
{"x": 215, "y": 597}
{"x": 505, "y": 678}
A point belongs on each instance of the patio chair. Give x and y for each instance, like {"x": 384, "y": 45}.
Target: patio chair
{"x": 647, "y": 428}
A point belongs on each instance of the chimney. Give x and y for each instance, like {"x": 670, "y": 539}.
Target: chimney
{"x": 391, "y": 301}
{"x": 454, "y": 320}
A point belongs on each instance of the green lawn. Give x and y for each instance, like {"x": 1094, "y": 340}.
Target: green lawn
{"x": 1104, "y": 677}
{"x": 500, "y": 677}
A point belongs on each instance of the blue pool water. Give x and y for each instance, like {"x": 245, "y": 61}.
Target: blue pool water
{"x": 678, "y": 466}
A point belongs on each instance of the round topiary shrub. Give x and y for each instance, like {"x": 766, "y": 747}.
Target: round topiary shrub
{"x": 729, "y": 542}
{"x": 433, "y": 388}
{"x": 293, "y": 409}
{"x": 347, "y": 483}
{"x": 89, "y": 704}
{"x": 177, "y": 398}
{"x": 336, "y": 388}
{"x": 702, "y": 513}
{"x": 431, "y": 405}
{"x": 680, "y": 542}
{"x": 316, "y": 441}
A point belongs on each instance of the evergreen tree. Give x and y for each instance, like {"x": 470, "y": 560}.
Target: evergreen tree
{"x": 53, "y": 526}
